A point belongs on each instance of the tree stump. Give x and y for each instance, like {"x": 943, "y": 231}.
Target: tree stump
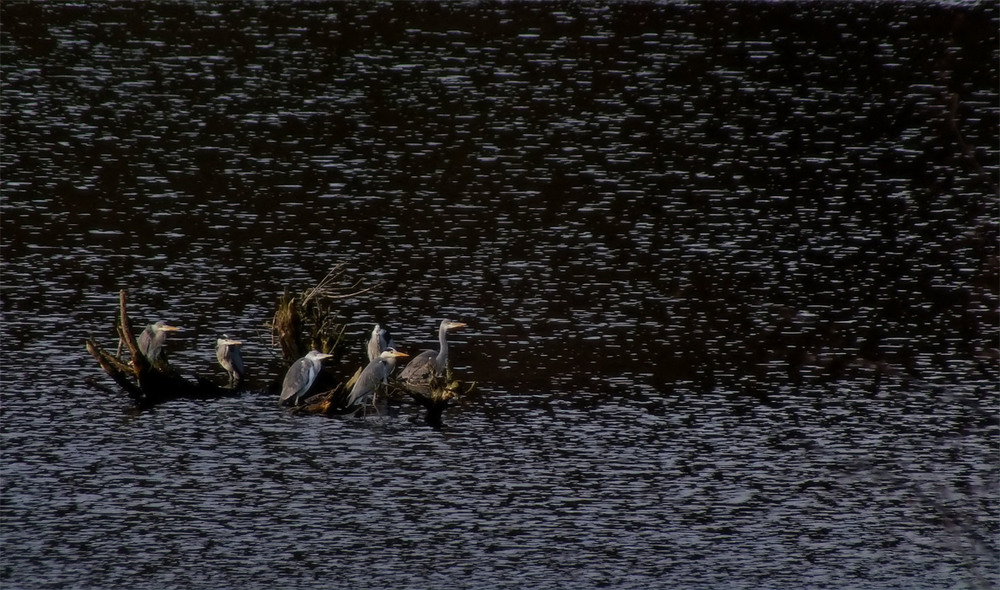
{"x": 148, "y": 384}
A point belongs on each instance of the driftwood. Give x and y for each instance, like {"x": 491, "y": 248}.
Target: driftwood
{"x": 308, "y": 321}
{"x": 148, "y": 384}
{"x": 436, "y": 396}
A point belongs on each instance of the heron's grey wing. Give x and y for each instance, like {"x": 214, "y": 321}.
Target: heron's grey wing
{"x": 384, "y": 369}
{"x": 145, "y": 340}
{"x": 362, "y": 387}
{"x": 421, "y": 368}
{"x": 298, "y": 379}
{"x": 236, "y": 358}
{"x": 370, "y": 378}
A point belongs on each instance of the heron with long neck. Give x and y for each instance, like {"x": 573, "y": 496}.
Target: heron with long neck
{"x": 429, "y": 363}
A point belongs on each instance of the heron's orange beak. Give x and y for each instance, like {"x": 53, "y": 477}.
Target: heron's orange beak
{"x": 398, "y": 354}
{"x": 454, "y": 325}
{"x": 167, "y": 328}
{"x": 228, "y": 342}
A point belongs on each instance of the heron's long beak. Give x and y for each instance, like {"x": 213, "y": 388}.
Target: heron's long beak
{"x": 229, "y": 342}
{"x": 323, "y": 355}
{"x": 454, "y": 325}
{"x": 167, "y": 328}
{"x": 398, "y": 354}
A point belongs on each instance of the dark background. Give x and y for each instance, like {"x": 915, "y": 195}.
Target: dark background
{"x": 729, "y": 270}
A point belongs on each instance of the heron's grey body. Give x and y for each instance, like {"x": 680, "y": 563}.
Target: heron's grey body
{"x": 380, "y": 340}
{"x": 151, "y": 341}
{"x": 231, "y": 358}
{"x": 376, "y": 373}
{"x": 300, "y": 377}
{"x": 429, "y": 363}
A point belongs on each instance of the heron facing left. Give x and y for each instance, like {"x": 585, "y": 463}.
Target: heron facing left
{"x": 151, "y": 341}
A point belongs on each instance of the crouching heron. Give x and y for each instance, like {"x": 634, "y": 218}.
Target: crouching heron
{"x": 151, "y": 341}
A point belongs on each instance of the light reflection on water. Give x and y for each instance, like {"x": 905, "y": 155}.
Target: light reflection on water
{"x": 673, "y": 231}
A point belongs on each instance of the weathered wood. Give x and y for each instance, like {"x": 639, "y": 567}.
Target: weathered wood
{"x": 122, "y": 373}
{"x": 124, "y": 328}
{"x": 328, "y": 403}
{"x": 286, "y": 328}
{"x": 304, "y": 323}
{"x": 145, "y": 383}
{"x": 309, "y": 321}
{"x": 436, "y": 395}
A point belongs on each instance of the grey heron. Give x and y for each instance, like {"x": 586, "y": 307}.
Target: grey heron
{"x": 380, "y": 340}
{"x": 429, "y": 363}
{"x": 231, "y": 358}
{"x": 375, "y": 374}
{"x": 300, "y": 377}
{"x": 151, "y": 341}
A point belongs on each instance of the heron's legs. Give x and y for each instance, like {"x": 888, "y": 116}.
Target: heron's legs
{"x": 375, "y": 399}
{"x": 372, "y": 406}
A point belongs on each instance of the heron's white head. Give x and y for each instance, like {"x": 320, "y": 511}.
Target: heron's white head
{"x": 450, "y": 325}
{"x": 392, "y": 353}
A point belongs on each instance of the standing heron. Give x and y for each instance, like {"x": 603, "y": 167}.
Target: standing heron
{"x": 376, "y": 373}
{"x": 429, "y": 363}
{"x": 151, "y": 341}
{"x": 300, "y": 377}
{"x": 380, "y": 340}
{"x": 231, "y": 358}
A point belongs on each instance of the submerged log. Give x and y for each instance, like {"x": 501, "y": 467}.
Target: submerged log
{"x": 435, "y": 395}
{"x": 327, "y": 403}
{"x": 145, "y": 383}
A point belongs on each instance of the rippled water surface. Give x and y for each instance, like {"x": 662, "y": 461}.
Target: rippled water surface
{"x": 730, "y": 274}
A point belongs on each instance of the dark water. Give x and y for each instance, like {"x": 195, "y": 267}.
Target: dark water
{"x": 730, "y": 273}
